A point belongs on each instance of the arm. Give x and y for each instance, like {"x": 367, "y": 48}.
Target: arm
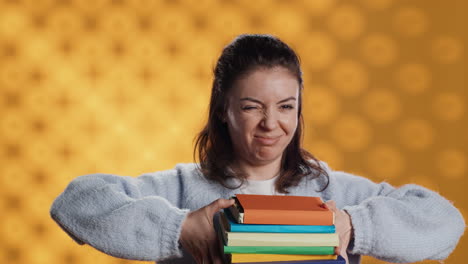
{"x": 133, "y": 218}
{"x": 405, "y": 224}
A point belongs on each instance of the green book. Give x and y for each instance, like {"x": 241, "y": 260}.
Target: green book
{"x": 280, "y": 250}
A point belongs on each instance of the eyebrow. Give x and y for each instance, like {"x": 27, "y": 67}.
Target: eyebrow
{"x": 259, "y": 102}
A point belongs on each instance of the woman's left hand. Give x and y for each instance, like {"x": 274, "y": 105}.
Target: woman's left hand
{"x": 343, "y": 227}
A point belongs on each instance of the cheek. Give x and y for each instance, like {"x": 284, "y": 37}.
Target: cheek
{"x": 240, "y": 124}
{"x": 289, "y": 123}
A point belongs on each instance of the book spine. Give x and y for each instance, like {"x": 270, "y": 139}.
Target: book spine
{"x": 278, "y": 239}
{"x": 275, "y": 217}
{"x": 282, "y": 228}
{"x": 240, "y": 258}
{"x": 281, "y": 250}
{"x": 231, "y": 225}
{"x": 338, "y": 260}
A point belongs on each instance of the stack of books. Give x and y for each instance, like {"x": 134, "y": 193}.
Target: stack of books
{"x": 278, "y": 229}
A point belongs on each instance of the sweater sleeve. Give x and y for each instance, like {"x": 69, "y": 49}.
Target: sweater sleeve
{"x": 133, "y": 218}
{"x": 405, "y": 224}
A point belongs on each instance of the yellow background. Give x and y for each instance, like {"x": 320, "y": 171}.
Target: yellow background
{"x": 122, "y": 87}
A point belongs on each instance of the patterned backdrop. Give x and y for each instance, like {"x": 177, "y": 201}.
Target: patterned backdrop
{"x": 122, "y": 87}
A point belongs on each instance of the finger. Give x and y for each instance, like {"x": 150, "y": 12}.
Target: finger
{"x": 213, "y": 257}
{"x": 217, "y": 251}
{"x": 220, "y": 204}
{"x": 209, "y": 252}
{"x": 330, "y": 203}
{"x": 345, "y": 256}
{"x": 195, "y": 252}
{"x": 203, "y": 254}
{"x": 343, "y": 253}
{"x": 198, "y": 256}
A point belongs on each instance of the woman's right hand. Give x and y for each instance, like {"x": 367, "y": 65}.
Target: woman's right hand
{"x": 198, "y": 236}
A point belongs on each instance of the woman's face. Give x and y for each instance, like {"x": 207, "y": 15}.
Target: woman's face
{"x": 262, "y": 114}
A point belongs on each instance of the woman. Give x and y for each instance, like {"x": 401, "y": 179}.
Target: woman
{"x": 252, "y": 144}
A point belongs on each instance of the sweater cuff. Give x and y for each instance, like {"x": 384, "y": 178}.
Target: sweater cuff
{"x": 362, "y": 229}
{"x": 171, "y": 232}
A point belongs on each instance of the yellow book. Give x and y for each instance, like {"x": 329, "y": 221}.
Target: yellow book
{"x": 242, "y": 258}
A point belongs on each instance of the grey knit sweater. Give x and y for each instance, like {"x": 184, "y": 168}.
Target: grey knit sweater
{"x": 141, "y": 217}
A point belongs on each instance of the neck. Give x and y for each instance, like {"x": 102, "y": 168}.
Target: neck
{"x": 258, "y": 172}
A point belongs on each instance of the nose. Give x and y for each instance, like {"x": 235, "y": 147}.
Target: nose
{"x": 269, "y": 121}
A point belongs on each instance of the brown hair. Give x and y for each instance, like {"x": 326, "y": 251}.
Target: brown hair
{"x": 213, "y": 144}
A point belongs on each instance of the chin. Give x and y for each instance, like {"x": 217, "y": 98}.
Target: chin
{"x": 267, "y": 157}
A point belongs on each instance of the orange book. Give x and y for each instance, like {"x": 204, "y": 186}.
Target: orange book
{"x": 281, "y": 210}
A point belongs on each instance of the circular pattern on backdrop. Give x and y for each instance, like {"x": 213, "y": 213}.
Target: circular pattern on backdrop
{"x": 320, "y": 105}
{"x": 327, "y": 152}
{"x": 379, "y": 49}
{"x": 13, "y": 21}
{"x": 175, "y": 24}
{"x": 39, "y": 124}
{"x": 416, "y": 134}
{"x": 413, "y": 78}
{"x": 321, "y": 50}
{"x": 13, "y": 75}
{"x": 448, "y": 106}
{"x": 13, "y": 181}
{"x": 10, "y": 50}
{"x": 447, "y": 49}
{"x": 349, "y": 77}
{"x": 70, "y": 70}
{"x": 346, "y": 22}
{"x": 12, "y": 126}
{"x": 232, "y": 21}
{"x": 10, "y": 99}
{"x": 67, "y": 21}
{"x": 12, "y": 233}
{"x": 114, "y": 23}
{"x": 451, "y": 163}
{"x": 377, "y": 4}
{"x": 38, "y": 151}
{"x": 351, "y": 132}
{"x": 98, "y": 5}
{"x": 425, "y": 181}
{"x": 317, "y": 7}
{"x": 35, "y": 48}
{"x": 382, "y": 105}
{"x": 37, "y": 206}
{"x": 288, "y": 24}
{"x": 410, "y": 21}
{"x": 385, "y": 162}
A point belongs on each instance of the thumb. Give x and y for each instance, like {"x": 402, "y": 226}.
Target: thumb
{"x": 330, "y": 204}
{"x": 219, "y": 204}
